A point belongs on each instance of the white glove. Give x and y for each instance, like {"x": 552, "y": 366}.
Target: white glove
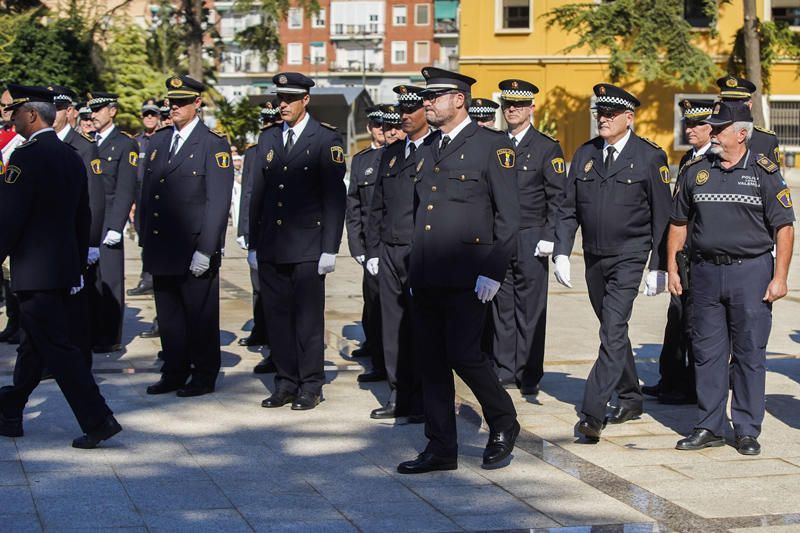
{"x": 242, "y": 242}
{"x": 200, "y": 263}
{"x": 372, "y": 265}
{"x": 75, "y": 290}
{"x": 93, "y": 256}
{"x": 655, "y": 282}
{"x": 252, "y": 259}
{"x": 112, "y": 238}
{"x": 562, "y": 270}
{"x": 327, "y": 264}
{"x": 359, "y": 259}
{"x": 543, "y": 249}
{"x": 486, "y": 288}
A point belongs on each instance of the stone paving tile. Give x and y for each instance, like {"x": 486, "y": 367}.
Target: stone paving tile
{"x": 64, "y": 511}
{"x": 16, "y": 500}
{"x": 19, "y": 523}
{"x": 768, "y": 529}
{"x": 580, "y": 508}
{"x": 83, "y": 488}
{"x": 423, "y": 524}
{"x": 481, "y": 522}
{"x": 743, "y": 468}
{"x": 196, "y": 521}
{"x": 317, "y": 526}
{"x": 165, "y": 493}
{"x": 11, "y": 473}
{"x": 466, "y": 499}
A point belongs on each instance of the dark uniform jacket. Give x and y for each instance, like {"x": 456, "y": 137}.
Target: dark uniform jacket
{"x": 87, "y": 150}
{"x": 119, "y": 155}
{"x": 44, "y": 213}
{"x": 185, "y": 201}
{"x": 466, "y": 209}
{"x": 363, "y": 175}
{"x": 298, "y": 203}
{"x": 391, "y": 218}
{"x": 250, "y": 170}
{"x": 765, "y": 142}
{"x": 624, "y": 211}
{"x": 540, "y": 178}
{"x": 735, "y": 211}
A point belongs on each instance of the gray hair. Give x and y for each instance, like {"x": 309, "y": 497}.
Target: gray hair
{"x": 45, "y": 110}
{"x": 747, "y": 126}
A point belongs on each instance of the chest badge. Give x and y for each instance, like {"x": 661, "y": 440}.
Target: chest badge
{"x": 558, "y": 165}
{"x": 588, "y": 166}
{"x": 506, "y": 157}
{"x": 152, "y": 154}
{"x": 392, "y": 161}
{"x": 701, "y": 178}
{"x": 419, "y": 165}
{"x": 369, "y": 171}
{"x": 270, "y": 155}
{"x": 664, "y": 172}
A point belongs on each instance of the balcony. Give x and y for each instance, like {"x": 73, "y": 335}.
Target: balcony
{"x": 354, "y": 66}
{"x": 445, "y": 28}
{"x": 357, "y": 32}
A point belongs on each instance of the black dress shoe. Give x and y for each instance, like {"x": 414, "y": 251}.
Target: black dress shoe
{"x": 279, "y": 398}
{"x": 747, "y": 445}
{"x": 11, "y": 427}
{"x": 105, "y": 431}
{"x": 266, "y": 366}
{"x": 141, "y": 289}
{"x": 387, "y": 411}
{"x": 151, "y": 333}
{"x": 621, "y": 414}
{"x": 676, "y": 398}
{"x": 306, "y": 401}
{"x": 106, "y": 348}
{"x": 251, "y": 341}
{"x": 591, "y": 428}
{"x": 699, "y": 439}
{"x": 427, "y": 462}
{"x": 372, "y": 376}
{"x": 529, "y": 390}
{"x": 359, "y": 352}
{"x": 652, "y": 390}
{"x": 194, "y": 389}
{"x": 500, "y": 445}
{"x": 163, "y": 386}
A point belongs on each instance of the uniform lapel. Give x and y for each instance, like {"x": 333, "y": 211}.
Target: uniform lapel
{"x": 186, "y": 147}
{"x": 624, "y": 159}
{"x": 461, "y": 138}
{"x": 302, "y": 142}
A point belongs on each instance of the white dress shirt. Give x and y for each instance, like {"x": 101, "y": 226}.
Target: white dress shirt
{"x": 297, "y": 129}
{"x": 183, "y": 133}
{"x": 519, "y": 135}
{"x": 103, "y": 135}
{"x": 618, "y": 146}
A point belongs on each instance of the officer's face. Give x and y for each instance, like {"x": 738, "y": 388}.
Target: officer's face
{"x": 5, "y": 100}
{"x": 150, "y": 120}
{"x": 61, "y": 118}
{"x": 517, "y": 113}
{"x": 182, "y": 111}
{"x": 293, "y": 107}
{"x": 392, "y": 133}
{"x": 443, "y": 107}
{"x": 72, "y": 116}
{"x": 612, "y": 124}
{"x": 87, "y": 125}
{"x": 412, "y": 119}
{"x": 726, "y": 140}
{"x": 486, "y": 123}
{"x": 697, "y": 134}
{"x": 375, "y": 130}
{"x": 103, "y": 117}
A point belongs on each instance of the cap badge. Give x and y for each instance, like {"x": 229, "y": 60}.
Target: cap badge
{"x": 176, "y": 82}
{"x": 283, "y": 80}
{"x": 49, "y": 88}
{"x": 425, "y": 72}
{"x": 686, "y": 104}
{"x": 701, "y": 178}
{"x": 731, "y": 82}
{"x": 601, "y": 90}
{"x": 514, "y": 84}
{"x": 716, "y": 109}
{"x": 403, "y": 89}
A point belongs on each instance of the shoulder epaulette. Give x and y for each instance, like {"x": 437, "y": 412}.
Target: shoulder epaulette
{"x": 262, "y": 128}
{"x": 326, "y": 125}
{"x": 219, "y": 134}
{"x": 651, "y": 143}
{"x": 767, "y": 164}
{"x": 691, "y": 162}
{"x": 88, "y": 137}
{"x": 128, "y": 135}
{"x": 248, "y": 146}
{"x": 364, "y": 151}
{"x": 27, "y": 143}
{"x": 765, "y": 130}
{"x": 548, "y": 136}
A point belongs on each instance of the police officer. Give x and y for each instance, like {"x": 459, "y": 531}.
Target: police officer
{"x": 483, "y": 111}
{"x": 44, "y": 214}
{"x": 119, "y": 154}
{"x": 520, "y": 308}
{"x": 296, "y": 221}
{"x": 736, "y": 200}
{"x": 740, "y": 90}
{"x": 390, "y": 118}
{"x": 363, "y": 174}
{"x": 676, "y": 361}
{"x": 85, "y": 122}
{"x": 186, "y": 195}
{"x": 389, "y": 231}
{"x": 465, "y": 224}
{"x": 617, "y": 191}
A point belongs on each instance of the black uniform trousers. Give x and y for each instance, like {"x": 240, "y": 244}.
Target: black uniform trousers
{"x": 519, "y": 315}
{"x": 259, "y": 331}
{"x": 106, "y": 283}
{"x": 294, "y": 306}
{"x": 188, "y": 320}
{"x": 731, "y": 320}
{"x": 80, "y": 326}
{"x": 448, "y": 324}
{"x": 403, "y": 368}
{"x": 45, "y": 342}
{"x": 371, "y": 318}
{"x": 676, "y": 362}
{"x": 613, "y": 283}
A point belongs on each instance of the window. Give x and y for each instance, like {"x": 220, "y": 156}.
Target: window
{"x": 318, "y": 20}
{"x": 513, "y": 15}
{"x": 422, "y": 52}
{"x": 294, "y": 53}
{"x": 422, "y": 14}
{"x": 399, "y": 15}
{"x": 399, "y": 52}
{"x": 693, "y": 12}
{"x": 295, "y": 18}
{"x": 317, "y": 53}
{"x": 787, "y": 11}
{"x": 784, "y": 120}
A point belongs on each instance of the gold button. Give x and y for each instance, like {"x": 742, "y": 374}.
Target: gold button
{"x": 155, "y": 232}
{"x": 162, "y": 180}
{"x": 629, "y": 181}
{"x": 433, "y": 189}
{"x": 194, "y": 173}
{"x": 280, "y": 204}
{"x": 427, "y": 227}
{"x": 157, "y": 197}
{"x": 279, "y": 222}
{"x": 430, "y": 207}
{"x": 436, "y": 169}
{"x": 109, "y": 158}
{"x": 155, "y": 215}
{"x": 462, "y": 178}
{"x": 305, "y": 168}
{"x": 319, "y": 223}
{"x": 280, "y": 186}
{"x": 366, "y": 183}
{"x": 477, "y": 239}
{"x": 285, "y": 169}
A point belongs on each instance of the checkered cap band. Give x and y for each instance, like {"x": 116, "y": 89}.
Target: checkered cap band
{"x": 100, "y": 101}
{"x": 62, "y": 98}
{"x": 409, "y": 98}
{"x": 84, "y": 110}
{"x": 728, "y": 198}
{"x": 377, "y": 114}
{"x": 698, "y": 112}
{"x": 614, "y": 100}
{"x": 391, "y": 117}
{"x": 481, "y": 110}
{"x": 511, "y": 94}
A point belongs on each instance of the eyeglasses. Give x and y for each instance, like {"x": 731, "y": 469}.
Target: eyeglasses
{"x": 431, "y": 97}
{"x": 289, "y": 98}
{"x": 506, "y": 104}
{"x": 607, "y": 113}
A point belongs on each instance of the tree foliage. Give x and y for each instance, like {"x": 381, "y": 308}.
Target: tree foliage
{"x": 239, "y": 121}
{"x": 648, "y": 39}
{"x": 264, "y": 37}
{"x": 166, "y": 41}
{"x": 777, "y": 41}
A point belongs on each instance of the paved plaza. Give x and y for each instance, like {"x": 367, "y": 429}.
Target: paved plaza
{"x": 222, "y": 463}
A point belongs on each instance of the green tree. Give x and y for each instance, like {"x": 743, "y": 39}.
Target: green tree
{"x": 165, "y": 40}
{"x": 239, "y": 121}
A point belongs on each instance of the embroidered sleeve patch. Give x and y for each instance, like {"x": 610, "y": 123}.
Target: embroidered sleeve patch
{"x": 506, "y": 157}
{"x": 785, "y": 198}
{"x": 133, "y": 158}
{"x": 223, "y": 159}
{"x": 337, "y": 154}
{"x": 95, "y": 164}
{"x": 664, "y": 172}
{"x": 12, "y": 174}
{"x": 558, "y": 165}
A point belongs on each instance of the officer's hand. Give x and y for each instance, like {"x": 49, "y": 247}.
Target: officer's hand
{"x": 655, "y": 282}
{"x": 242, "y": 242}
{"x": 112, "y": 238}
{"x": 674, "y": 284}
{"x": 775, "y": 290}
{"x": 93, "y": 256}
{"x": 252, "y": 260}
{"x": 360, "y": 259}
{"x": 486, "y": 288}
{"x": 75, "y": 290}
{"x": 562, "y": 270}
{"x": 372, "y": 265}
{"x": 200, "y": 263}
{"x": 327, "y": 264}
{"x": 543, "y": 249}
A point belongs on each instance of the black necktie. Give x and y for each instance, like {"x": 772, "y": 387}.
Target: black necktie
{"x": 445, "y": 142}
{"x": 412, "y": 147}
{"x": 174, "y": 148}
{"x": 609, "y": 157}
{"x": 289, "y": 140}
{"x": 514, "y": 141}
{"x": 98, "y": 138}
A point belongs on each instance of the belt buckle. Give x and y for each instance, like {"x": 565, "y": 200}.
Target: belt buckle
{"x": 723, "y": 259}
